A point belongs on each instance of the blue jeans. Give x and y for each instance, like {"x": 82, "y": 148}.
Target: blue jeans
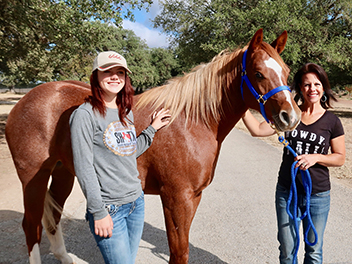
{"x": 319, "y": 209}
{"x": 122, "y": 246}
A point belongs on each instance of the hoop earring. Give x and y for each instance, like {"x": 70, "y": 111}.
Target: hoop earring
{"x": 324, "y": 98}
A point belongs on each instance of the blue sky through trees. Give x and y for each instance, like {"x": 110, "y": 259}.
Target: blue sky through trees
{"x": 143, "y": 27}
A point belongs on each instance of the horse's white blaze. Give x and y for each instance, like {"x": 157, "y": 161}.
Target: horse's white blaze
{"x": 288, "y": 99}
{"x": 34, "y": 255}
{"x": 272, "y": 64}
{"x": 57, "y": 246}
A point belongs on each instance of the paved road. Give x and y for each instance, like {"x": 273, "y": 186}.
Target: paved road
{"x": 235, "y": 222}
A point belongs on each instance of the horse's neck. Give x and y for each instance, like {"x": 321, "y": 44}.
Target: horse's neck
{"x": 232, "y": 113}
{"x": 226, "y": 125}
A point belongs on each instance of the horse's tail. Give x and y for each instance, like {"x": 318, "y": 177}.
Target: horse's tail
{"x": 50, "y": 205}
{"x": 54, "y": 230}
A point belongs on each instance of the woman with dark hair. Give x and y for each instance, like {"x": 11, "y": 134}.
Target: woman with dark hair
{"x": 318, "y": 132}
{"x": 105, "y": 148}
{"x": 322, "y": 76}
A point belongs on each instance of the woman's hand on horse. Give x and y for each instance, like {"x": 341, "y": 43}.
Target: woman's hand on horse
{"x": 160, "y": 118}
{"x": 103, "y": 227}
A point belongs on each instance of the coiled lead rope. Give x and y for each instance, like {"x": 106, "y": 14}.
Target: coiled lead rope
{"x": 307, "y": 185}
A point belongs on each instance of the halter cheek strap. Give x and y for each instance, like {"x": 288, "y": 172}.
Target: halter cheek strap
{"x": 260, "y": 98}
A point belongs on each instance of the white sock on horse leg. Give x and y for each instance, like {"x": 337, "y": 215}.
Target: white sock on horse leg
{"x": 57, "y": 246}
{"x": 34, "y": 255}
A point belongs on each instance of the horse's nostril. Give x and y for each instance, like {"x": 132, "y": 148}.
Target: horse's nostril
{"x": 284, "y": 117}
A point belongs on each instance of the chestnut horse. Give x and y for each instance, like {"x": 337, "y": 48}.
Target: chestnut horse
{"x": 205, "y": 105}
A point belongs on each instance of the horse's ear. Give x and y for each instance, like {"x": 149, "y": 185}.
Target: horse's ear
{"x": 280, "y": 42}
{"x": 256, "y": 40}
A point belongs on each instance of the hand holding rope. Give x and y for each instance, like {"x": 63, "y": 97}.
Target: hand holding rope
{"x": 307, "y": 184}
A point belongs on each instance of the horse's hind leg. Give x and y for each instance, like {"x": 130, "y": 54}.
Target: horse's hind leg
{"x": 60, "y": 189}
{"x": 34, "y": 194}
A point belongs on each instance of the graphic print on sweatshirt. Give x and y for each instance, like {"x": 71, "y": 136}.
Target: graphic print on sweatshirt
{"x": 120, "y": 140}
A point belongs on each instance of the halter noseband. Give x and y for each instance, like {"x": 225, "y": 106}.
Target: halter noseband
{"x": 260, "y": 98}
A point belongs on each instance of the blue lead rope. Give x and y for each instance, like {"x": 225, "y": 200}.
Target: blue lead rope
{"x": 307, "y": 184}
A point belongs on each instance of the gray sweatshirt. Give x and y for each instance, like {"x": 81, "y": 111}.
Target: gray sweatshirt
{"x": 104, "y": 156}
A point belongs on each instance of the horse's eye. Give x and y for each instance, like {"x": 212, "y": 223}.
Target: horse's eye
{"x": 258, "y": 75}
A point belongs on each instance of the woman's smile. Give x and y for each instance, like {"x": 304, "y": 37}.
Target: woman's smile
{"x": 311, "y": 88}
{"x": 112, "y": 81}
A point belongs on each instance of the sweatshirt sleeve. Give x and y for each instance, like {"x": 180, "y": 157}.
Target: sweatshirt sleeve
{"x": 145, "y": 139}
{"x": 82, "y": 127}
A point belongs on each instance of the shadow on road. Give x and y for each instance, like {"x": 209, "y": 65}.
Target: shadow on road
{"x": 80, "y": 242}
{"x": 158, "y": 239}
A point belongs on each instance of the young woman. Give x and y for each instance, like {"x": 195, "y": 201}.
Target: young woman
{"x": 105, "y": 148}
{"x": 318, "y": 131}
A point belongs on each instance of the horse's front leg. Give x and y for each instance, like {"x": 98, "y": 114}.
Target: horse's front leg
{"x": 179, "y": 210}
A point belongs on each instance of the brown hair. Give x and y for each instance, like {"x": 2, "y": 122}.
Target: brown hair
{"x": 323, "y": 77}
{"x": 124, "y": 99}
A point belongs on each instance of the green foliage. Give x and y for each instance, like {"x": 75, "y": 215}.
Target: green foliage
{"x": 47, "y": 40}
{"x": 40, "y": 37}
{"x": 165, "y": 63}
{"x": 319, "y": 31}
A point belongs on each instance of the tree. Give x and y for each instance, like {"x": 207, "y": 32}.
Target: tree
{"x": 150, "y": 67}
{"x": 319, "y": 31}
{"x": 165, "y": 63}
{"x": 37, "y": 36}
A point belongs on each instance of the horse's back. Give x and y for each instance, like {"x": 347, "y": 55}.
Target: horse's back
{"x": 38, "y": 124}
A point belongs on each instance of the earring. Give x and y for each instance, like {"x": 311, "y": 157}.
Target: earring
{"x": 324, "y": 98}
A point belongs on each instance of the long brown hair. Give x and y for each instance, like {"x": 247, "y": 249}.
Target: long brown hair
{"x": 124, "y": 99}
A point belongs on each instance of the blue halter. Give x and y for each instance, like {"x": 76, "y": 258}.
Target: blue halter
{"x": 260, "y": 98}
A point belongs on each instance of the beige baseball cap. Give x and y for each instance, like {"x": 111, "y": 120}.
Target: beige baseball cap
{"x": 109, "y": 59}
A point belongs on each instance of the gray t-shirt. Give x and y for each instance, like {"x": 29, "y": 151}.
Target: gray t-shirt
{"x": 104, "y": 156}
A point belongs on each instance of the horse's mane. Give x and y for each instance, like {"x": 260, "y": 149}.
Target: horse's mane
{"x": 198, "y": 94}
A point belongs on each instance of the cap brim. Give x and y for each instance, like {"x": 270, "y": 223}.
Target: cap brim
{"x": 109, "y": 66}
